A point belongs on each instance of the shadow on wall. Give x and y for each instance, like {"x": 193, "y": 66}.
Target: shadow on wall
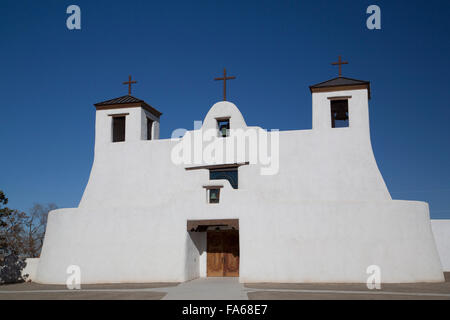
{"x": 199, "y": 240}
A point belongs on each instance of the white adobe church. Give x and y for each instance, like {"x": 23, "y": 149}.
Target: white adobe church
{"x": 324, "y": 215}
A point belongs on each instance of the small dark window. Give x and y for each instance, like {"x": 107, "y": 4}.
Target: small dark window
{"x": 230, "y": 174}
{"x": 118, "y": 129}
{"x": 224, "y": 127}
{"x": 214, "y": 195}
{"x": 149, "y": 128}
{"x": 339, "y": 114}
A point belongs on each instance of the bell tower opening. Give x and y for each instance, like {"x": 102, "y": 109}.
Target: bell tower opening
{"x": 339, "y": 113}
{"x": 118, "y": 128}
{"x": 223, "y": 125}
{"x": 149, "y": 128}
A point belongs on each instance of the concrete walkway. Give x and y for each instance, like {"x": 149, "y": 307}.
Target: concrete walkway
{"x": 206, "y": 289}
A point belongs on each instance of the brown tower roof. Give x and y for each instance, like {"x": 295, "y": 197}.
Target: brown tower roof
{"x": 126, "y": 102}
{"x": 340, "y": 84}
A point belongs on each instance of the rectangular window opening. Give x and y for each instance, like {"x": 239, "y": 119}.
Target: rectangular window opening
{"x": 214, "y": 195}
{"x": 224, "y": 127}
{"x": 118, "y": 129}
{"x": 339, "y": 113}
{"x": 149, "y": 128}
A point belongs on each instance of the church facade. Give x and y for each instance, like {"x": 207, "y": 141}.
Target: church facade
{"x": 312, "y": 206}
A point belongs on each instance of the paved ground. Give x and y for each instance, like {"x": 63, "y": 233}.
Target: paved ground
{"x": 417, "y": 291}
{"x": 356, "y": 291}
{"x": 228, "y": 289}
{"x": 208, "y": 289}
{"x": 34, "y": 291}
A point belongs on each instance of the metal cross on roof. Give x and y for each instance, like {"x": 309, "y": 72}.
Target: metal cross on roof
{"x": 225, "y": 78}
{"x": 129, "y": 83}
{"x": 339, "y": 63}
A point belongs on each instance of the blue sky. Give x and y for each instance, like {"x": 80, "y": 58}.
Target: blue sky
{"x": 51, "y": 76}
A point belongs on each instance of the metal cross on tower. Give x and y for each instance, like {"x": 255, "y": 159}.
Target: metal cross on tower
{"x": 225, "y": 78}
{"x": 129, "y": 83}
{"x": 339, "y": 63}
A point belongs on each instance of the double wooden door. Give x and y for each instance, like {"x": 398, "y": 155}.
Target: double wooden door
{"x": 222, "y": 253}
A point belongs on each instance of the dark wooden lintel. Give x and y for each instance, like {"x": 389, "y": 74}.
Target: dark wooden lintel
{"x": 202, "y": 225}
{"x": 219, "y": 166}
{"x": 118, "y": 114}
{"x": 213, "y": 187}
{"x": 340, "y": 98}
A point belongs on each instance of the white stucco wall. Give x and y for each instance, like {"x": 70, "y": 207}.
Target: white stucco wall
{"x": 325, "y": 216}
{"x": 279, "y": 242}
{"x": 441, "y": 231}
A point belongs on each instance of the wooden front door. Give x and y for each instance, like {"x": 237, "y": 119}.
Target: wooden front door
{"x": 223, "y": 253}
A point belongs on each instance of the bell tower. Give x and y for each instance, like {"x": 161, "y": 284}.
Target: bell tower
{"x": 125, "y": 119}
{"x": 341, "y": 102}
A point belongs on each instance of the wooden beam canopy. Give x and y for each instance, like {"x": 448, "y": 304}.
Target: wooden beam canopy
{"x": 203, "y": 225}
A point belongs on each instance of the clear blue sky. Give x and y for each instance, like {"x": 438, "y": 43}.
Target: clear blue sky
{"x": 50, "y": 78}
